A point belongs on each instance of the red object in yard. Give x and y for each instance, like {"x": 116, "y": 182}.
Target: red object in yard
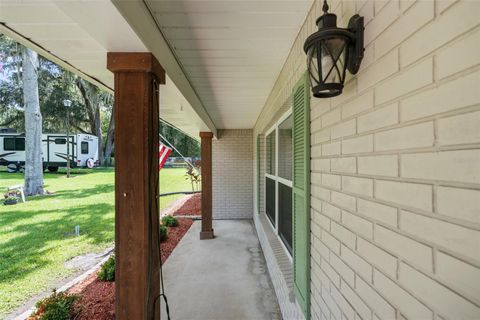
{"x": 163, "y": 153}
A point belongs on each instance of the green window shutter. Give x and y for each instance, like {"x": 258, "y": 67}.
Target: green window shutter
{"x": 301, "y": 194}
{"x": 258, "y": 174}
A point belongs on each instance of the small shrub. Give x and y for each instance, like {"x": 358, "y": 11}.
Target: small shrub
{"x": 163, "y": 233}
{"x": 58, "y": 306}
{"x": 169, "y": 221}
{"x": 107, "y": 271}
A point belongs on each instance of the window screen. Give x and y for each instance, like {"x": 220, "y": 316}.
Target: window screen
{"x": 271, "y": 153}
{"x": 9, "y": 144}
{"x": 84, "y": 147}
{"x": 14, "y": 144}
{"x": 270, "y": 199}
{"x": 285, "y": 215}
{"x": 285, "y": 149}
{"x": 20, "y": 144}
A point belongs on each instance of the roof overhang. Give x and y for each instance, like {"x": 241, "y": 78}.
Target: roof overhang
{"x": 222, "y": 58}
{"x": 227, "y": 54}
{"x": 78, "y": 34}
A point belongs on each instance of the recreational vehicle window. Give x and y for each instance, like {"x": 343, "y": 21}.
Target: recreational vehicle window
{"x": 84, "y": 147}
{"x": 14, "y": 144}
{"x": 60, "y": 141}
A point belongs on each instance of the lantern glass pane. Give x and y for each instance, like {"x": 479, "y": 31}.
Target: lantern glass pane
{"x": 312, "y": 64}
{"x": 333, "y": 60}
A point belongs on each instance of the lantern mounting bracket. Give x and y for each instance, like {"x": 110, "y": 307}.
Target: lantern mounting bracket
{"x": 355, "y": 25}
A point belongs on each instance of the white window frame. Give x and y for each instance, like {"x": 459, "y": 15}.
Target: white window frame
{"x": 277, "y": 178}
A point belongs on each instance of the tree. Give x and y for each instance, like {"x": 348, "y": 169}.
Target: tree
{"x": 186, "y": 145}
{"x": 33, "y": 124}
{"x": 91, "y": 108}
{"x": 55, "y": 84}
{"x": 95, "y": 99}
{"x": 109, "y": 140}
{"x": 11, "y": 99}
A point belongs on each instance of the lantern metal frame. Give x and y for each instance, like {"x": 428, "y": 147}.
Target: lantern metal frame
{"x": 352, "y": 52}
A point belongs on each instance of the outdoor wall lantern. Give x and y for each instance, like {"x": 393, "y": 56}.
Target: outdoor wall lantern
{"x": 331, "y": 51}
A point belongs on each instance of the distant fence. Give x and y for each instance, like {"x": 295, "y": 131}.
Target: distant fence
{"x": 179, "y": 162}
{"x": 179, "y": 192}
{"x": 175, "y": 165}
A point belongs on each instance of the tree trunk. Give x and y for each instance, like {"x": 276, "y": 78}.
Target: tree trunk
{"x": 33, "y": 125}
{"x": 109, "y": 141}
{"x": 98, "y": 133}
{"x": 91, "y": 96}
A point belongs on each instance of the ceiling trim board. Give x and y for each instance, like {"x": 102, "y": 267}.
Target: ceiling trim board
{"x": 140, "y": 19}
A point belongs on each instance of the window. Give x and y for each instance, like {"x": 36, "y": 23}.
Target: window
{"x": 20, "y": 144}
{"x": 84, "y": 147}
{"x": 285, "y": 215}
{"x": 270, "y": 199}
{"x": 9, "y": 144}
{"x": 271, "y": 153}
{"x": 60, "y": 141}
{"x": 278, "y": 179}
{"x": 285, "y": 148}
{"x": 14, "y": 144}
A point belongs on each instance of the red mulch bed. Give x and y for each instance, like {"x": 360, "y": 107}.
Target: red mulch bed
{"x": 191, "y": 207}
{"x": 174, "y": 236}
{"x": 98, "y": 298}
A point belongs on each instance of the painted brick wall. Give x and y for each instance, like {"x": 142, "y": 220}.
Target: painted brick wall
{"x": 232, "y": 156}
{"x": 396, "y": 165}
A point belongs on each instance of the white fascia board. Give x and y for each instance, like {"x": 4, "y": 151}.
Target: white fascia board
{"x": 139, "y": 17}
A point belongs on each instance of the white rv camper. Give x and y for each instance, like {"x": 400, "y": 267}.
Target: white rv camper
{"x": 83, "y": 151}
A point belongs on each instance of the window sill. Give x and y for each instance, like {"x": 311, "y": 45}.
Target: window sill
{"x": 280, "y": 268}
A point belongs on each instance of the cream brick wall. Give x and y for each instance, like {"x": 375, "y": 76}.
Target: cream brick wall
{"x": 395, "y": 178}
{"x": 232, "y": 183}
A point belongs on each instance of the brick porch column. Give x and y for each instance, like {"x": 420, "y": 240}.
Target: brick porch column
{"x": 137, "y": 77}
{"x": 206, "y": 154}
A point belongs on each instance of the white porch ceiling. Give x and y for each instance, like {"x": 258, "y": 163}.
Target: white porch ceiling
{"x": 222, "y": 56}
{"x": 230, "y": 51}
{"x": 78, "y": 35}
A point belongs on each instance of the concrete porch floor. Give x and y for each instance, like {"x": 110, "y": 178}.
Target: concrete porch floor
{"x": 222, "y": 278}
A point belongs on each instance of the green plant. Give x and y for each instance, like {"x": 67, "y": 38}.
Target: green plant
{"x": 193, "y": 174}
{"x": 58, "y": 306}
{"x": 163, "y": 233}
{"x": 169, "y": 221}
{"x": 94, "y": 211}
{"x": 107, "y": 271}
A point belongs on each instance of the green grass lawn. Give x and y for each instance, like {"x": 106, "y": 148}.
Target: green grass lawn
{"x": 36, "y": 237}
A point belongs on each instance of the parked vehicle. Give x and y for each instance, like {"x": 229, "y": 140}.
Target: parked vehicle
{"x": 83, "y": 151}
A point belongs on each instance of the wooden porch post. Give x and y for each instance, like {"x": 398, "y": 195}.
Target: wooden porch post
{"x": 206, "y": 153}
{"x": 137, "y": 76}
